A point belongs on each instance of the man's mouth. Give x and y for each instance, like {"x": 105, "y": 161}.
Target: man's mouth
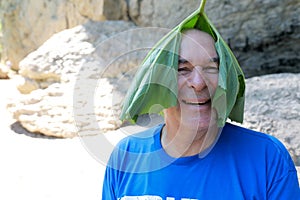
{"x": 197, "y": 102}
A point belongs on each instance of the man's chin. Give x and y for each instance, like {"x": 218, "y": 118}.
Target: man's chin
{"x": 196, "y": 124}
{"x": 200, "y": 123}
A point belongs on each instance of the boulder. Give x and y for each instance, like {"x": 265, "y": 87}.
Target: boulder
{"x": 109, "y": 42}
{"x": 272, "y": 106}
{"x": 76, "y": 81}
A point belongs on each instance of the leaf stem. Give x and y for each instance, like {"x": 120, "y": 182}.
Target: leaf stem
{"x": 202, "y": 5}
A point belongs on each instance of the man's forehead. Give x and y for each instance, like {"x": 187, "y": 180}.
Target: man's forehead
{"x": 195, "y": 33}
{"x": 214, "y": 59}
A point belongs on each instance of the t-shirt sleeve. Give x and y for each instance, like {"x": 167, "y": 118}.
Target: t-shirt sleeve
{"x": 110, "y": 177}
{"x": 108, "y": 192}
{"x": 284, "y": 184}
{"x": 285, "y": 188}
{"x": 112, "y": 172}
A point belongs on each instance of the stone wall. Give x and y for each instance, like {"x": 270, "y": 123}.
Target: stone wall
{"x": 263, "y": 34}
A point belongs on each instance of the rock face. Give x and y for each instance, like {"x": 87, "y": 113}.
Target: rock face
{"x": 160, "y": 13}
{"x": 28, "y": 24}
{"x": 273, "y": 106}
{"x": 263, "y": 34}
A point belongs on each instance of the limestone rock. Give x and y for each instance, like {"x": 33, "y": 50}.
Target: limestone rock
{"x": 272, "y": 106}
{"x": 115, "y": 9}
{"x": 263, "y": 35}
{"x": 82, "y": 75}
{"x": 26, "y": 85}
{"x": 61, "y": 55}
{"x": 160, "y": 13}
{"x": 28, "y": 24}
{"x": 4, "y": 71}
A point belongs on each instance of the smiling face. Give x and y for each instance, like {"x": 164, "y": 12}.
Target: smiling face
{"x": 197, "y": 83}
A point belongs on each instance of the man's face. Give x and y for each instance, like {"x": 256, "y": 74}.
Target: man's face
{"x": 197, "y": 82}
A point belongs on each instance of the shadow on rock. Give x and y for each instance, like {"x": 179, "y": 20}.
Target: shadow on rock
{"x": 19, "y": 129}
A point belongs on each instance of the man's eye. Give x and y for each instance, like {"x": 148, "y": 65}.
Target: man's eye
{"x": 183, "y": 70}
{"x": 211, "y": 70}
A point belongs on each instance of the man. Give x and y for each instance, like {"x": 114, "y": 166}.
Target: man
{"x": 190, "y": 156}
{"x": 188, "y": 123}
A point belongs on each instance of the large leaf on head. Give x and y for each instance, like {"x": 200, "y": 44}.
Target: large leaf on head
{"x": 154, "y": 87}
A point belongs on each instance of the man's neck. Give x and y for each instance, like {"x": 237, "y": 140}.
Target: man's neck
{"x": 182, "y": 142}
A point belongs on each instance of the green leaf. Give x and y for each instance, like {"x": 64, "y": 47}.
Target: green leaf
{"x": 154, "y": 87}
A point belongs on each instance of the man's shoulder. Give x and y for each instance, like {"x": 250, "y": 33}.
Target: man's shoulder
{"x": 250, "y": 135}
{"x": 255, "y": 142}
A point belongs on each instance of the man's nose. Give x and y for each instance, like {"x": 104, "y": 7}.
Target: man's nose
{"x": 197, "y": 79}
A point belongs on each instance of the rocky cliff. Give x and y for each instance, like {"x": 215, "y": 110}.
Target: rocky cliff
{"x": 263, "y": 34}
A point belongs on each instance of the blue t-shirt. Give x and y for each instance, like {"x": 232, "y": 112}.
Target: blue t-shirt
{"x": 243, "y": 164}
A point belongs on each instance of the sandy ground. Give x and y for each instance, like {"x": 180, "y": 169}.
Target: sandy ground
{"x": 41, "y": 168}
